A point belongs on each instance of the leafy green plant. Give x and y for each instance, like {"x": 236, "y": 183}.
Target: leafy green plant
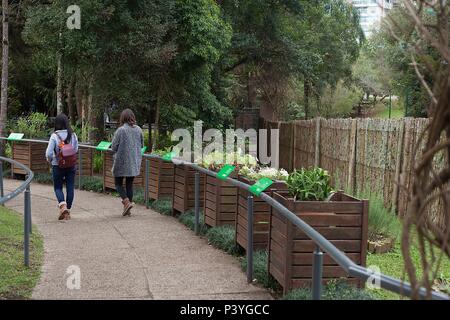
{"x": 309, "y": 185}
{"x": 43, "y": 178}
{"x": 260, "y": 272}
{"x": 216, "y": 160}
{"x": 163, "y": 206}
{"x": 98, "y": 162}
{"x": 188, "y": 219}
{"x": 33, "y": 126}
{"x": 334, "y": 290}
{"x": 223, "y": 238}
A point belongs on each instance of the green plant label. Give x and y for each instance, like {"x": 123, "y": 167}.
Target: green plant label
{"x": 225, "y": 172}
{"x": 15, "y": 136}
{"x": 103, "y": 146}
{"x": 169, "y": 156}
{"x": 260, "y": 186}
{"x": 143, "y": 150}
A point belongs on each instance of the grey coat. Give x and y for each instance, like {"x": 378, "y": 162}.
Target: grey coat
{"x": 126, "y": 145}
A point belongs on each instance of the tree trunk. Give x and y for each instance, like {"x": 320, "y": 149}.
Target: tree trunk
{"x": 307, "y": 94}
{"x": 79, "y": 101}
{"x": 90, "y": 113}
{"x": 70, "y": 106}
{"x": 5, "y": 70}
{"x": 59, "y": 86}
{"x": 158, "y": 109}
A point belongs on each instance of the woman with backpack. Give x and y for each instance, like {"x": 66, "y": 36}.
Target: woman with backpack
{"x": 62, "y": 154}
{"x": 127, "y": 144}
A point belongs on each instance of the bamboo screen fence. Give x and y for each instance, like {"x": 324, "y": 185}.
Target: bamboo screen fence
{"x": 373, "y": 155}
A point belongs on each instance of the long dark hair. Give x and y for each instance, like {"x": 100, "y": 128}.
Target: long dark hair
{"x": 127, "y": 116}
{"x": 62, "y": 123}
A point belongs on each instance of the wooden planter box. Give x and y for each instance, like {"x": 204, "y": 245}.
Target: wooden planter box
{"x": 108, "y": 178}
{"x": 184, "y": 189}
{"x": 87, "y": 162}
{"x": 161, "y": 179}
{"x": 261, "y": 216}
{"x": 343, "y": 221}
{"x": 31, "y": 154}
{"x": 220, "y": 202}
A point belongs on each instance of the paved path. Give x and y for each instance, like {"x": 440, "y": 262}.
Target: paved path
{"x": 145, "y": 256}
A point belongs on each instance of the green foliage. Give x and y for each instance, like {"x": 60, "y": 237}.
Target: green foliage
{"x": 223, "y": 238}
{"x": 16, "y": 280}
{"x": 338, "y": 101}
{"x": 139, "y": 196}
{"x": 33, "y": 126}
{"x": 260, "y": 272}
{"x": 163, "y": 206}
{"x": 334, "y": 290}
{"x": 382, "y": 221}
{"x": 43, "y": 178}
{"x": 309, "y": 185}
{"x": 188, "y": 219}
{"x": 98, "y": 162}
{"x": 94, "y": 184}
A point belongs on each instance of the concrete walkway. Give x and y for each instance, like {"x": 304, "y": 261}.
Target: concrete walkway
{"x": 145, "y": 256}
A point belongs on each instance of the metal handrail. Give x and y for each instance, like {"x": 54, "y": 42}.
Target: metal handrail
{"x": 24, "y": 187}
{"x": 389, "y": 283}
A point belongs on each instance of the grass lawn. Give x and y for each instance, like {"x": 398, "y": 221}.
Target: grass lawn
{"x": 392, "y": 264}
{"x": 17, "y": 281}
{"x": 382, "y": 111}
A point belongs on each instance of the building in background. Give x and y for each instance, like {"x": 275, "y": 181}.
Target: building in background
{"x": 372, "y": 12}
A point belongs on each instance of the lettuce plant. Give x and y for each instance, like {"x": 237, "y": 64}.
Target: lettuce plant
{"x": 309, "y": 185}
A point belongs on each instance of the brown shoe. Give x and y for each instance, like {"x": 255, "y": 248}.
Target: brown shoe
{"x": 63, "y": 211}
{"x": 127, "y": 205}
{"x": 67, "y": 216}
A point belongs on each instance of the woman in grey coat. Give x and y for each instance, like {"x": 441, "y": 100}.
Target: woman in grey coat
{"x": 127, "y": 144}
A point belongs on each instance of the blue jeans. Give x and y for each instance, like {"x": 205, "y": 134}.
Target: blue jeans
{"x": 67, "y": 176}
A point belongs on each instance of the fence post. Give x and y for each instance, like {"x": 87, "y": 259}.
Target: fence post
{"x": 317, "y": 274}
{"x": 197, "y": 203}
{"x": 250, "y": 239}
{"x": 317, "y": 144}
{"x": 398, "y": 165}
{"x": 80, "y": 167}
{"x": 2, "y": 191}
{"x": 27, "y": 226}
{"x": 147, "y": 172}
{"x": 351, "y": 181}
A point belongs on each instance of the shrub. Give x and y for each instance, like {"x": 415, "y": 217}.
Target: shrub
{"x": 33, "y": 126}
{"x": 94, "y": 184}
{"x": 163, "y": 206}
{"x": 98, "y": 162}
{"x": 260, "y": 272}
{"x": 43, "y": 178}
{"x": 309, "y": 185}
{"x": 334, "y": 290}
{"x": 223, "y": 238}
{"x": 264, "y": 172}
{"x": 382, "y": 221}
{"x": 139, "y": 196}
{"x": 188, "y": 219}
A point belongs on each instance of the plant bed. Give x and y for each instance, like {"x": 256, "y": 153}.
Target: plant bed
{"x": 184, "y": 189}
{"x": 32, "y": 155}
{"x": 108, "y": 178}
{"x": 342, "y": 220}
{"x": 87, "y": 155}
{"x": 261, "y": 215}
{"x": 220, "y": 202}
{"x": 161, "y": 179}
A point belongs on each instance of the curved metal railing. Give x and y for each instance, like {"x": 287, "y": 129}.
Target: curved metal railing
{"x": 24, "y": 187}
{"x": 389, "y": 283}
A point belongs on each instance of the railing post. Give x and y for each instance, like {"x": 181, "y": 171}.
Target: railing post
{"x": 2, "y": 192}
{"x": 250, "y": 239}
{"x": 80, "y": 168}
{"x": 147, "y": 172}
{"x": 197, "y": 203}
{"x": 27, "y": 226}
{"x": 317, "y": 274}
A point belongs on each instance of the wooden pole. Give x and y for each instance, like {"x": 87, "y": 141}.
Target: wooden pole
{"x": 352, "y": 159}
{"x": 317, "y": 144}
